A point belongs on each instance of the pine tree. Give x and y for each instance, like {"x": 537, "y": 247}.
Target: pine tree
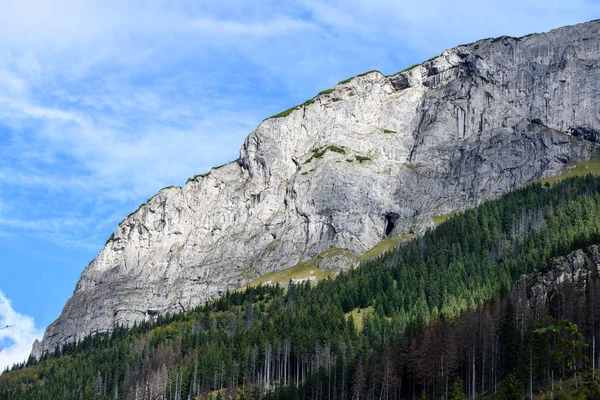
{"x": 457, "y": 391}
{"x": 512, "y": 389}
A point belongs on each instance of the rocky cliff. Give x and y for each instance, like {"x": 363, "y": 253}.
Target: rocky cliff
{"x": 375, "y": 156}
{"x": 557, "y": 289}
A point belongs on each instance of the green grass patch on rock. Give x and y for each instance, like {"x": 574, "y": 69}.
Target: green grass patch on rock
{"x": 385, "y": 246}
{"x": 335, "y": 251}
{"x": 414, "y": 66}
{"x": 110, "y": 239}
{"x": 409, "y": 68}
{"x": 195, "y": 177}
{"x": 291, "y": 110}
{"x": 580, "y": 168}
{"x": 356, "y": 76}
{"x": 319, "y": 152}
{"x": 336, "y": 149}
{"x": 306, "y": 270}
{"x": 439, "y": 219}
{"x": 367, "y": 73}
{"x": 326, "y": 91}
{"x": 133, "y": 212}
{"x": 285, "y": 113}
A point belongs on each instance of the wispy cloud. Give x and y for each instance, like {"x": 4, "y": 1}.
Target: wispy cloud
{"x": 15, "y": 341}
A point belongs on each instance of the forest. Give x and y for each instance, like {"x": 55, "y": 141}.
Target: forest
{"x": 439, "y": 317}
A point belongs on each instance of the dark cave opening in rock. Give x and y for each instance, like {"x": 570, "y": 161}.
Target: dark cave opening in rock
{"x": 390, "y": 222}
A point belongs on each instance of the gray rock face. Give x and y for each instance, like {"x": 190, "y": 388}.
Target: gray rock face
{"x": 533, "y": 293}
{"x": 376, "y": 156}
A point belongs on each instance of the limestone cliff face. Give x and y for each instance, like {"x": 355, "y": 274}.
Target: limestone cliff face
{"x": 378, "y": 155}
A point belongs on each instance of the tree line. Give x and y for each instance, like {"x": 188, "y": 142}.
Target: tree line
{"x": 438, "y": 316}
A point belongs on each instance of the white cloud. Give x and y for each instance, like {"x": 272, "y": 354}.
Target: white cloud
{"x": 19, "y": 337}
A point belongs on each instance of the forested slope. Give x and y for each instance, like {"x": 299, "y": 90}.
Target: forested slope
{"x": 436, "y": 308}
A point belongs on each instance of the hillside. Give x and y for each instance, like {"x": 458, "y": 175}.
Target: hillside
{"x": 372, "y": 158}
{"x": 442, "y": 306}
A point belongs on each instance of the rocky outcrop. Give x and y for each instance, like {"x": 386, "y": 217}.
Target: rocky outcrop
{"x": 373, "y": 157}
{"x": 536, "y": 294}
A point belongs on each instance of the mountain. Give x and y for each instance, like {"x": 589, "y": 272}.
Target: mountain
{"x": 496, "y": 296}
{"x": 375, "y": 157}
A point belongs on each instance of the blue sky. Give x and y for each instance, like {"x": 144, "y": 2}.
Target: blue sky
{"x": 102, "y": 103}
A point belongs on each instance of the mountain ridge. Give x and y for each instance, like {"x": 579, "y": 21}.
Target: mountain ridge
{"x": 373, "y": 157}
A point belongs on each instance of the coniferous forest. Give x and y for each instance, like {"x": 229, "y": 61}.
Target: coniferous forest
{"x": 438, "y": 318}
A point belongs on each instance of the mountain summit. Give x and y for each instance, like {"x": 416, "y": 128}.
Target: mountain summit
{"x": 375, "y": 157}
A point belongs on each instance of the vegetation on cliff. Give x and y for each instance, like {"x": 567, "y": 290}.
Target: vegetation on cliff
{"x": 441, "y": 306}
